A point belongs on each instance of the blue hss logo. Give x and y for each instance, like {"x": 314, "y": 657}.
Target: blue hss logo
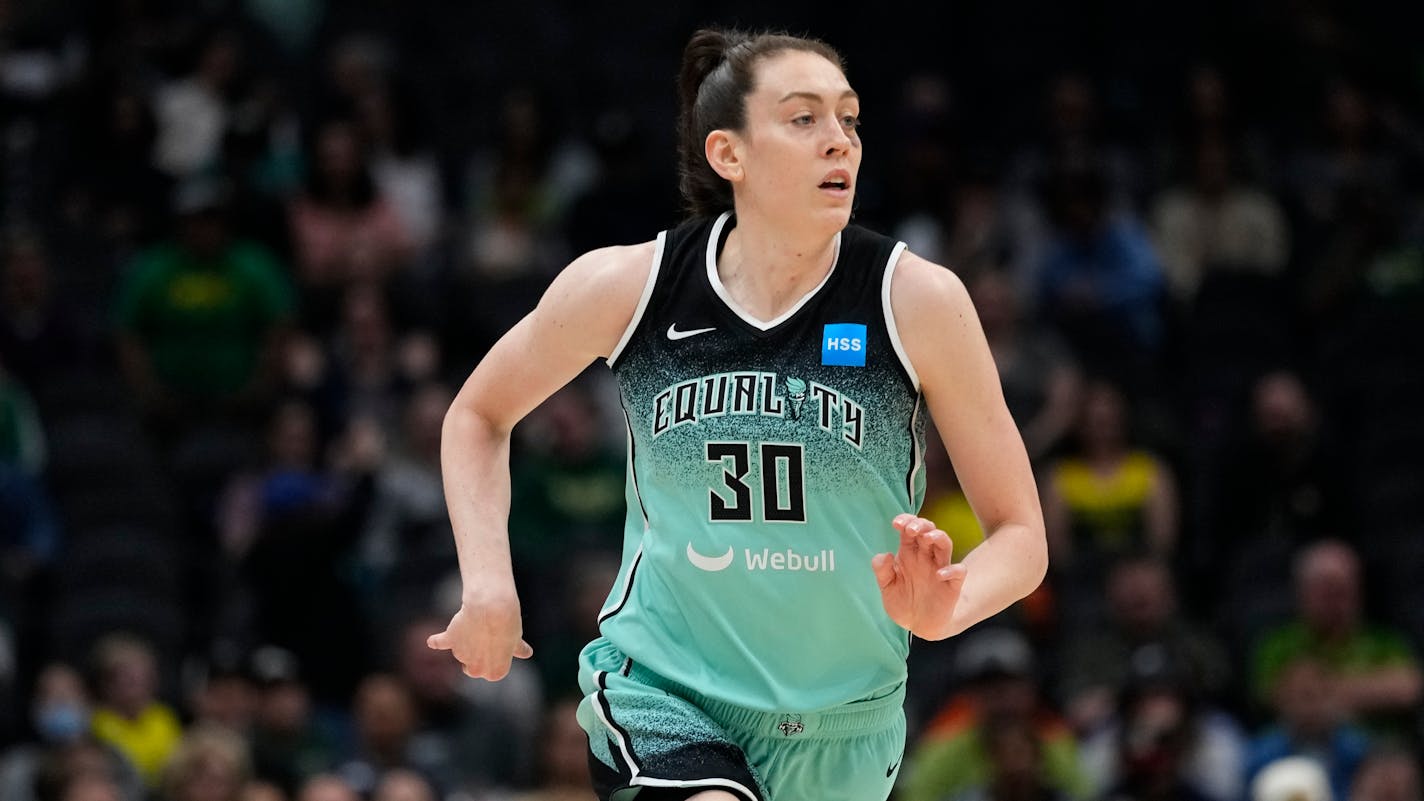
{"x": 843, "y": 345}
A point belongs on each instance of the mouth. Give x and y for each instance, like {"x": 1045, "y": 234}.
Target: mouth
{"x": 837, "y": 182}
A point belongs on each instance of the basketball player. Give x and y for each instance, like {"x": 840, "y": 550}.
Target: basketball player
{"x": 776, "y": 365}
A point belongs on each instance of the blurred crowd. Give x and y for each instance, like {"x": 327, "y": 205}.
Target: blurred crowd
{"x": 249, "y": 249}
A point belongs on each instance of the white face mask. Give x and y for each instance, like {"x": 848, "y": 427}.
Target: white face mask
{"x": 61, "y": 721}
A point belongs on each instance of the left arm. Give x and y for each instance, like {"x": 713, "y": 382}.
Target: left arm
{"x": 945, "y": 343}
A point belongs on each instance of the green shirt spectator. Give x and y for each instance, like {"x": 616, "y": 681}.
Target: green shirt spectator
{"x": 196, "y": 315}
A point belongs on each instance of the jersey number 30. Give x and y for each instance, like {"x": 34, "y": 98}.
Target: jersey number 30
{"x": 782, "y": 479}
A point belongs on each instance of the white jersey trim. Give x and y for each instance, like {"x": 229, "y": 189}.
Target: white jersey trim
{"x": 890, "y": 315}
{"x": 642, "y": 300}
{"x": 716, "y": 280}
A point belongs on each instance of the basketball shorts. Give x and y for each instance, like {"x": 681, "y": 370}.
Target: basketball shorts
{"x": 650, "y": 738}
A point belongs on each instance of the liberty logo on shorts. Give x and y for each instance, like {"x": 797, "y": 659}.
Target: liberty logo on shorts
{"x": 791, "y": 724}
{"x": 843, "y": 345}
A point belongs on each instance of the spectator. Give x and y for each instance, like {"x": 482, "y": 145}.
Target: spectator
{"x": 1374, "y": 670}
{"x": 1163, "y": 745}
{"x": 1309, "y": 722}
{"x": 1101, "y": 281}
{"x": 292, "y": 528}
{"x": 224, "y": 694}
{"x": 344, "y": 230}
{"x": 403, "y": 785}
{"x": 1291, "y": 779}
{"x": 194, "y": 112}
{"x": 1015, "y": 755}
{"x": 327, "y": 787}
{"x": 1041, "y": 381}
{"x": 39, "y": 331}
{"x": 387, "y": 727}
{"x": 60, "y": 717}
{"x": 1390, "y": 773}
{"x": 1280, "y": 480}
{"x": 200, "y": 317}
{"x": 407, "y": 536}
{"x": 563, "y": 757}
{"x": 1109, "y": 498}
{"x": 493, "y": 747}
{"x": 81, "y": 771}
{"x": 288, "y": 745}
{"x": 211, "y": 764}
{"x": 995, "y": 668}
{"x": 1143, "y": 622}
{"x": 129, "y": 714}
{"x": 1216, "y": 225}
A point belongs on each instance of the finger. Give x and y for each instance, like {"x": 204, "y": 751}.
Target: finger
{"x": 952, "y": 574}
{"x": 901, "y": 520}
{"x": 524, "y": 650}
{"x": 937, "y": 545}
{"x": 884, "y": 566}
{"x": 440, "y": 642}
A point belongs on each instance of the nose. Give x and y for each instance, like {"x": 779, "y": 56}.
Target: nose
{"x": 840, "y": 141}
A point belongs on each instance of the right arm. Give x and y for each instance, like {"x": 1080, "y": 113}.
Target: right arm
{"x": 581, "y": 317}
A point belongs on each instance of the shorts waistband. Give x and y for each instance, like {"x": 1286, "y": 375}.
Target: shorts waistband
{"x": 857, "y": 717}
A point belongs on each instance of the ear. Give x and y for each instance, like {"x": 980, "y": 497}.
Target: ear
{"x": 724, "y": 152}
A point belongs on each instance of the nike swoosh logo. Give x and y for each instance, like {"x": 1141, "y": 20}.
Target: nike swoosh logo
{"x": 890, "y": 771}
{"x": 675, "y": 334}
{"x": 711, "y": 564}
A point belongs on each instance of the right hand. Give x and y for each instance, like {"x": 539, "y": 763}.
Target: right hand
{"x": 485, "y": 637}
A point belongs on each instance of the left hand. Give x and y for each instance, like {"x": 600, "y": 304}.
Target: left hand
{"x": 919, "y": 585}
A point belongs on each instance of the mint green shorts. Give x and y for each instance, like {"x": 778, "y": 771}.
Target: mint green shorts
{"x": 649, "y": 737}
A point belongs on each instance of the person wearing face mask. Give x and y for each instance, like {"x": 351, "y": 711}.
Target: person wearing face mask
{"x": 60, "y": 718}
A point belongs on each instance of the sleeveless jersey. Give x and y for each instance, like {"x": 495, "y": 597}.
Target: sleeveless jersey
{"x": 765, "y": 463}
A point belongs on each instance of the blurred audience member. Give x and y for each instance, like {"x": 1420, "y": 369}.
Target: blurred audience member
{"x": 563, "y": 757}
{"x": 567, "y": 491}
{"x": 224, "y": 694}
{"x": 403, "y": 166}
{"x": 1143, "y": 622}
{"x": 1041, "y": 381}
{"x": 82, "y": 771}
{"x": 488, "y": 746}
{"x": 293, "y": 526}
{"x": 1389, "y": 773}
{"x": 1292, "y": 779}
{"x": 129, "y": 714}
{"x": 1101, "y": 280}
{"x": 201, "y": 317}
{"x": 1374, "y": 671}
{"x": 288, "y": 746}
{"x": 1309, "y": 722}
{"x": 995, "y": 668}
{"x": 39, "y": 332}
{"x": 1215, "y": 224}
{"x": 388, "y": 724}
{"x": 403, "y": 785}
{"x": 1108, "y": 498}
{"x": 1281, "y": 479}
{"x": 1015, "y": 755}
{"x": 60, "y": 718}
{"x": 22, "y": 439}
{"x": 1163, "y": 745}
{"x": 343, "y": 229}
{"x": 327, "y": 787}
{"x": 194, "y": 112}
{"x": 211, "y": 764}
{"x": 258, "y": 790}
{"x": 406, "y": 543}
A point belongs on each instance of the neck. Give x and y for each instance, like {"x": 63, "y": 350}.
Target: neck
{"x": 767, "y": 269}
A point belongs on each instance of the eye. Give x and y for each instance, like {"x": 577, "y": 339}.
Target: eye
{"x": 850, "y": 121}
{"x": 803, "y": 119}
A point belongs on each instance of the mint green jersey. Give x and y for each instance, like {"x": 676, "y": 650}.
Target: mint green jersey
{"x": 766, "y": 460}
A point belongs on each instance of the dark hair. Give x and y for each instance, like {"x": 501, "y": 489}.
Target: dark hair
{"x": 713, "y": 84}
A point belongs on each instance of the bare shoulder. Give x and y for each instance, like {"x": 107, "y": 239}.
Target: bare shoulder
{"x": 594, "y": 298}
{"x": 927, "y": 295}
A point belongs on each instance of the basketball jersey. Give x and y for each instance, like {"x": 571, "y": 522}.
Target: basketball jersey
{"x": 766, "y": 460}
